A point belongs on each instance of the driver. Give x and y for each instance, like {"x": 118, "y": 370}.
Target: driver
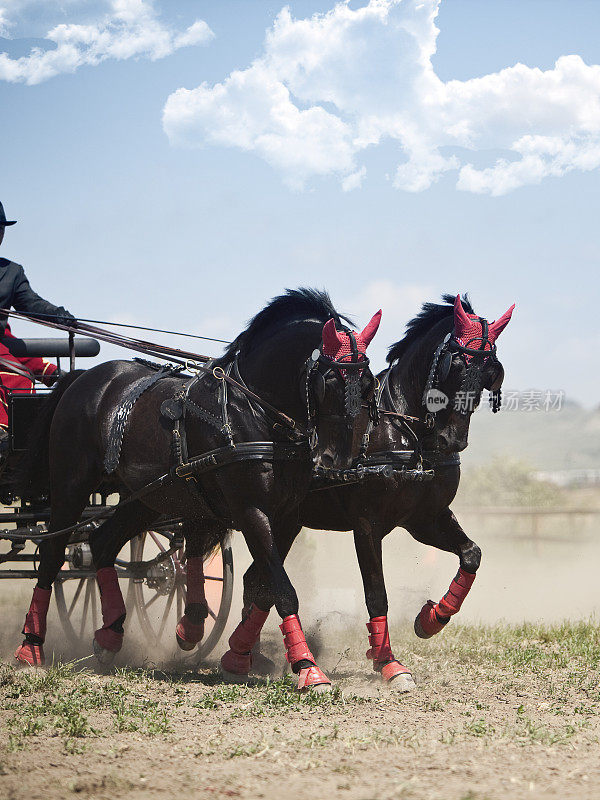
{"x": 20, "y": 372}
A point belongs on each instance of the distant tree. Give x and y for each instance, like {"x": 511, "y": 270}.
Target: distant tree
{"x": 505, "y": 482}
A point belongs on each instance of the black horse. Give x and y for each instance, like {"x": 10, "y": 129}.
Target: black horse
{"x": 271, "y": 358}
{"x": 435, "y": 380}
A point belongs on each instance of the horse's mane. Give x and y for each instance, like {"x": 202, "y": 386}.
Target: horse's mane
{"x": 295, "y": 304}
{"x": 429, "y": 315}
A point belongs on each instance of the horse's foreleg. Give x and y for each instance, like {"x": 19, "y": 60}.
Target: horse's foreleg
{"x": 105, "y": 543}
{"x": 367, "y": 542}
{"x": 447, "y": 535}
{"x": 261, "y": 537}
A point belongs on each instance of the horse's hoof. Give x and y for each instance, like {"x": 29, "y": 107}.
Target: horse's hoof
{"x": 188, "y": 634}
{"x": 419, "y": 629}
{"x": 233, "y": 677}
{"x": 319, "y": 688}
{"x": 29, "y": 656}
{"x": 402, "y": 683}
{"x": 183, "y": 645}
{"x": 104, "y": 656}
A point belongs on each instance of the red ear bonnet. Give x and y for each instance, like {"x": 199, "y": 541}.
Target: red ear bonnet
{"x": 498, "y": 326}
{"x": 336, "y": 344}
{"x": 332, "y": 340}
{"x": 467, "y": 327}
{"x": 370, "y": 330}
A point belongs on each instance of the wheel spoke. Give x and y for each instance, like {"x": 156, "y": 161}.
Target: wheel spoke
{"x": 156, "y": 541}
{"x": 76, "y": 595}
{"x": 165, "y": 615}
{"x": 94, "y": 606}
{"x": 212, "y": 613}
{"x": 86, "y": 603}
{"x": 153, "y": 600}
{"x": 179, "y": 603}
{"x": 212, "y": 578}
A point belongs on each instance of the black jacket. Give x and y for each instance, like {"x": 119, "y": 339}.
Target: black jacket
{"x": 15, "y": 292}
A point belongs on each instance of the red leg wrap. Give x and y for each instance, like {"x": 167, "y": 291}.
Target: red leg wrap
{"x": 35, "y": 621}
{"x": 434, "y": 616}
{"x": 195, "y": 580}
{"x": 381, "y": 651}
{"x": 297, "y": 650}
{"x": 238, "y": 659}
{"x": 32, "y": 652}
{"x": 188, "y": 632}
{"x": 113, "y": 609}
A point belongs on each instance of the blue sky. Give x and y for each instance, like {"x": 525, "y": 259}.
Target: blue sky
{"x": 189, "y": 224}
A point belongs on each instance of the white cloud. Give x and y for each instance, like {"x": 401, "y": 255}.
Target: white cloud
{"x": 354, "y": 180}
{"x": 129, "y": 29}
{"x": 328, "y": 87}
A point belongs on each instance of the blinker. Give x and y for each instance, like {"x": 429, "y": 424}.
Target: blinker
{"x": 318, "y": 386}
{"x": 444, "y": 367}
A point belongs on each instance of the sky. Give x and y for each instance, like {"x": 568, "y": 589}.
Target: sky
{"x": 178, "y": 164}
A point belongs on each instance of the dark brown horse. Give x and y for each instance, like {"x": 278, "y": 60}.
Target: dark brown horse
{"x": 448, "y": 352}
{"x": 259, "y": 497}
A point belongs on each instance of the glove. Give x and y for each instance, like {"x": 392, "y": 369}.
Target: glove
{"x": 64, "y": 317}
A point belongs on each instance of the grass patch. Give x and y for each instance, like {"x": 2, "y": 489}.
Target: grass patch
{"x": 61, "y": 700}
{"x": 270, "y": 698}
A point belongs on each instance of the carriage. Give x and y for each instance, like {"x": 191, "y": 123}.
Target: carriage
{"x": 151, "y": 568}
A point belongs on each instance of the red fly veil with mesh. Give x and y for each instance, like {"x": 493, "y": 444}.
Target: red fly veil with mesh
{"x": 468, "y": 330}
{"x": 336, "y": 344}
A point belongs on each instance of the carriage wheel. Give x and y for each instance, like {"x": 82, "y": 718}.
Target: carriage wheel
{"x": 161, "y": 596}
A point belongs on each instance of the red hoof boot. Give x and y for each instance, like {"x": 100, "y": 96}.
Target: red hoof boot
{"x": 188, "y": 634}
{"x": 384, "y": 662}
{"x": 237, "y": 661}
{"x": 31, "y": 655}
{"x": 428, "y": 622}
{"x": 313, "y": 678}
{"x": 109, "y": 639}
{"x": 297, "y": 650}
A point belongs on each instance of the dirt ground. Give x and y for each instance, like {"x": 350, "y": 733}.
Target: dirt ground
{"x": 499, "y": 712}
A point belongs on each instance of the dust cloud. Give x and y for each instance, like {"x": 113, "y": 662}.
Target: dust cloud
{"x": 533, "y": 569}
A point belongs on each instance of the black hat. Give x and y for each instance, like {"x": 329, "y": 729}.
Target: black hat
{"x": 3, "y": 220}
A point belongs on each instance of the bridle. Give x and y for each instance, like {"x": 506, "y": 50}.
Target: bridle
{"x": 350, "y": 368}
{"x": 476, "y": 359}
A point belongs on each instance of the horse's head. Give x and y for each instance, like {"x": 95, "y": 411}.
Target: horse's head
{"x": 463, "y": 365}
{"x": 338, "y": 383}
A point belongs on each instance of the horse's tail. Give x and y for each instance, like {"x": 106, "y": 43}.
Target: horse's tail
{"x": 31, "y": 476}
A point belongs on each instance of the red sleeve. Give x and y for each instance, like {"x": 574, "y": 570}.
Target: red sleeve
{"x": 40, "y": 368}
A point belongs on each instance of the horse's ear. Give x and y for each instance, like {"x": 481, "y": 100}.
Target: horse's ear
{"x": 370, "y": 329}
{"x": 462, "y": 322}
{"x": 332, "y": 340}
{"x": 498, "y": 326}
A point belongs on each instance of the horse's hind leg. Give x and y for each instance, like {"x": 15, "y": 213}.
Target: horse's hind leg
{"x": 66, "y": 511}
{"x": 200, "y": 537}
{"x": 446, "y": 534}
{"x": 105, "y": 543}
